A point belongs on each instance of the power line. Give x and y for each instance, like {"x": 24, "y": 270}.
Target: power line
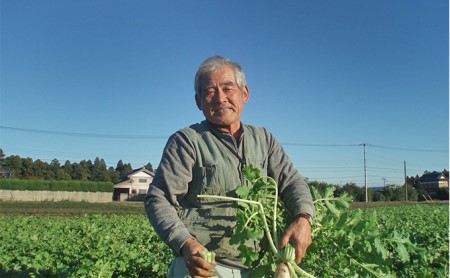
{"x": 408, "y": 149}
{"x": 81, "y": 134}
{"x": 128, "y": 136}
{"x": 319, "y": 145}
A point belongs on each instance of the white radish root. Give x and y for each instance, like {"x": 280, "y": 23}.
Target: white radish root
{"x": 282, "y": 271}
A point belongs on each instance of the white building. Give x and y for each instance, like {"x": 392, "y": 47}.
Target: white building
{"x": 135, "y": 187}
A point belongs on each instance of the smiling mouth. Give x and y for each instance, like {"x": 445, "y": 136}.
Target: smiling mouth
{"x": 221, "y": 110}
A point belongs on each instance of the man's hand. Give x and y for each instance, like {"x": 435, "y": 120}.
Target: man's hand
{"x": 299, "y": 234}
{"x": 197, "y": 266}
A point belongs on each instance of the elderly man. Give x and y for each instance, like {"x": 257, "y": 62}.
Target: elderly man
{"x": 207, "y": 158}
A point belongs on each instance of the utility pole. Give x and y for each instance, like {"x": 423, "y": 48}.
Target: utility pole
{"x": 406, "y": 180}
{"x": 365, "y": 172}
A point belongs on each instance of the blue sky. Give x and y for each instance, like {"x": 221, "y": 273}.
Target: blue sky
{"x": 113, "y": 79}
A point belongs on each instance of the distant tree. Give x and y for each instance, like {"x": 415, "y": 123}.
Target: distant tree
{"x": 2, "y": 157}
{"x": 99, "y": 170}
{"x": 400, "y": 194}
{"x": 54, "y": 168}
{"x": 90, "y": 165}
{"x": 412, "y": 194}
{"x": 128, "y": 168}
{"x": 149, "y": 167}
{"x": 75, "y": 173}
{"x": 27, "y": 168}
{"x": 14, "y": 163}
{"x": 62, "y": 175}
{"x": 358, "y": 193}
{"x": 123, "y": 169}
{"x": 388, "y": 192}
{"x": 81, "y": 171}
{"x": 39, "y": 168}
{"x": 67, "y": 167}
{"x": 414, "y": 181}
{"x": 113, "y": 175}
{"x": 375, "y": 196}
{"x": 411, "y": 180}
{"x": 119, "y": 167}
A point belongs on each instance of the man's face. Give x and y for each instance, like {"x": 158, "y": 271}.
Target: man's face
{"x": 221, "y": 99}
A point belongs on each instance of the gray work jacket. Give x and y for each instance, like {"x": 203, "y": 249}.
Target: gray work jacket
{"x": 202, "y": 160}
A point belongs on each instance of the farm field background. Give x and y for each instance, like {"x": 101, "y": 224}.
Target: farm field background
{"x": 69, "y": 239}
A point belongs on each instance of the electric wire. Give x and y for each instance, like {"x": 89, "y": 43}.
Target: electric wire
{"x": 81, "y": 134}
{"x": 128, "y": 136}
{"x": 375, "y": 170}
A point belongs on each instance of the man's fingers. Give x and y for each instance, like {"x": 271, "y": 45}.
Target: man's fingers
{"x": 299, "y": 255}
{"x": 200, "y": 267}
{"x": 282, "y": 243}
{"x": 204, "y": 264}
{"x": 284, "y": 239}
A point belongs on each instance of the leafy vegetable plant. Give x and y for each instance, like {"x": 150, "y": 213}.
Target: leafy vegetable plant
{"x": 261, "y": 218}
{"x": 353, "y": 238}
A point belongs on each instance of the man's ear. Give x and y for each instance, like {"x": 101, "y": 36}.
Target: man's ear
{"x": 246, "y": 94}
{"x": 199, "y": 102}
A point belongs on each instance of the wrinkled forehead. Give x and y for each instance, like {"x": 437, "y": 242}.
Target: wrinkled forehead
{"x": 221, "y": 76}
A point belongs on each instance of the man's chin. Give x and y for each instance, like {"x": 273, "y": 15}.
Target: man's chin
{"x": 220, "y": 122}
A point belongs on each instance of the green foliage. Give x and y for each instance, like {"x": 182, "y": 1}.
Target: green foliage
{"x": 427, "y": 228}
{"x": 375, "y": 243}
{"x": 89, "y": 246}
{"x": 87, "y": 186}
{"x": 261, "y": 218}
{"x": 26, "y": 168}
{"x": 259, "y": 223}
{"x": 127, "y": 246}
{"x": 105, "y": 186}
{"x": 54, "y": 185}
{"x": 70, "y": 208}
{"x": 345, "y": 242}
{"x": 74, "y": 185}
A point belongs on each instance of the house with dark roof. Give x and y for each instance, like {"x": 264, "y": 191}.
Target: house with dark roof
{"x": 135, "y": 186}
{"x": 431, "y": 182}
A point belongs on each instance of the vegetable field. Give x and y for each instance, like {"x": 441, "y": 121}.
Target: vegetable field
{"x": 87, "y": 246}
{"x": 110, "y": 245}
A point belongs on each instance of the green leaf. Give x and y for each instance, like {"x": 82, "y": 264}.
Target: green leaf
{"x": 402, "y": 252}
{"x": 332, "y": 207}
{"x": 381, "y": 249}
{"x": 243, "y": 191}
{"x": 248, "y": 255}
{"x": 250, "y": 172}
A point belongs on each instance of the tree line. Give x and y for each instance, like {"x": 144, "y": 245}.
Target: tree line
{"x": 85, "y": 170}
{"x": 389, "y": 192}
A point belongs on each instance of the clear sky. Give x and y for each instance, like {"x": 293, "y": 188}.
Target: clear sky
{"x": 113, "y": 79}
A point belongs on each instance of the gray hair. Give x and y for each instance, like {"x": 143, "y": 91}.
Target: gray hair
{"x": 214, "y": 64}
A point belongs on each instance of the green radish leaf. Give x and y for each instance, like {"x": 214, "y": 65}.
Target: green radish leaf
{"x": 242, "y": 192}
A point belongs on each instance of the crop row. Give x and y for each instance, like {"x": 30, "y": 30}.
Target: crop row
{"x": 95, "y": 245}
{"x": 127, "y": 246}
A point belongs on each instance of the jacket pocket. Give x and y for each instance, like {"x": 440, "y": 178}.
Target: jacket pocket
{"x": 210, "y": 181}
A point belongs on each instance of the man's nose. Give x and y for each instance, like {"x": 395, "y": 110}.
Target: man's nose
{"x": 220, "y": 95}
